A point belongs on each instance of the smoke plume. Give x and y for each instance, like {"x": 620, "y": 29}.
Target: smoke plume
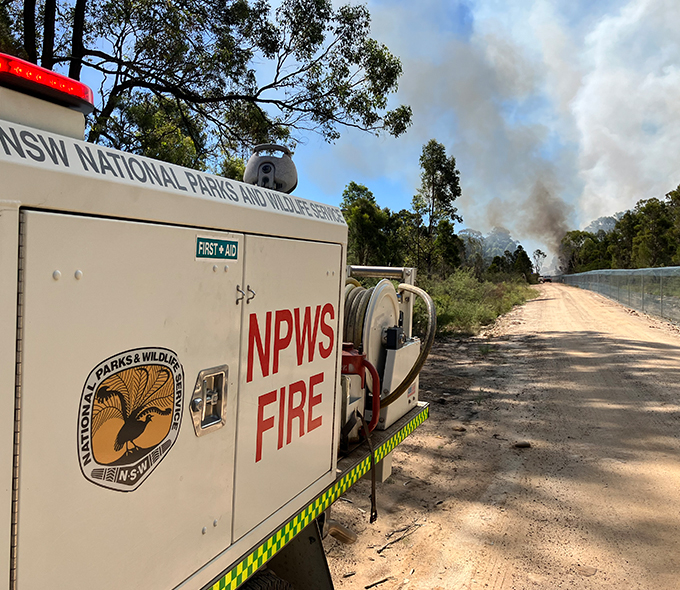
{"x": 556, "y": 111}
{"x": 544, "y": 216}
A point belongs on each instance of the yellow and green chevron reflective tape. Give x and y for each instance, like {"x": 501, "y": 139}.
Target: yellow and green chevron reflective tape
{"x": 255, "y": 560}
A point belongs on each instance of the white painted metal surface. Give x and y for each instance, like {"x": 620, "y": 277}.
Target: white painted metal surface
{"x": 63, "y": 174}
{"x": 397, "y": 365}
{"x": 288, "y": 375}
{"x": 9, "y": 247}
{"x": 140, "y": 285}
{"x": 122, "y": 231}
{"x": 28, "y": 110}
{"x": 382, "y": 313}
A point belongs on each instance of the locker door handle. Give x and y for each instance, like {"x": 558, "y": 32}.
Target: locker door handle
{"x": 209, "y": 400}
{"x": 241, "y": 294}
{"x": 250, "y": 297}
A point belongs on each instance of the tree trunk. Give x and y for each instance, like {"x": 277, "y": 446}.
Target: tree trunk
{"x": 77, "y": 46}
{"x": 47, "y": 60}
{"x": 430, "y": 236}
{"x": 29, "y": 31}
{"x": 431, "y": 205}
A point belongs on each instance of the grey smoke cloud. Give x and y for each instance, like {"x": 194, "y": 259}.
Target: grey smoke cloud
{"x": 557, "y": 111}
{"x": 507, "y": 179}
{"x": 627, "y": 110}
{"x": 544, "y": 216}
{"x": 541, "y": 216}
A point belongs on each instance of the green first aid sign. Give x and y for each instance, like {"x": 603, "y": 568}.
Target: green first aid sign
{"x": 223, "y": 249}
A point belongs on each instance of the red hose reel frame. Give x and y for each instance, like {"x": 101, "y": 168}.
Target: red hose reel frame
{"x": 355, "y": 363}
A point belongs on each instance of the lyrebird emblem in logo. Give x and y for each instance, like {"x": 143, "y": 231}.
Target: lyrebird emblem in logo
{"x": 129, "y": 418}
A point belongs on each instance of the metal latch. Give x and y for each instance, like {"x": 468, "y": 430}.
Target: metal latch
{"x": 209, "y": 402}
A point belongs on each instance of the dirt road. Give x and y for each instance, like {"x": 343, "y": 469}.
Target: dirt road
{"x": 593, "y": 503}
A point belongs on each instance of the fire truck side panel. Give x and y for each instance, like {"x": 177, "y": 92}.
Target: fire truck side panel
{"x": 147, "y": 288}
{"x": 170, "y": 360}
{"x": 67, "y": 181}
{"x": 288, "y": 375}
{"x": 144, "y": 301}
{"x": 9, "y": 247}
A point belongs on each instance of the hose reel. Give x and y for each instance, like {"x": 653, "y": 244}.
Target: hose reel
{"x": 369, "y": 312}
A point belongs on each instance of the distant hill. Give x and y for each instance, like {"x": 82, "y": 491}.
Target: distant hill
{"x": 606, "y": 223}
{"x": 494, "y": 244}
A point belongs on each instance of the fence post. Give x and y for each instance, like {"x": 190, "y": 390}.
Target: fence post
{"x": 642, "y": 279}
{"x": 661, "y": 291}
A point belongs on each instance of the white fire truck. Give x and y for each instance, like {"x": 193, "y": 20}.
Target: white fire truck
{"x": 188, "y": 370}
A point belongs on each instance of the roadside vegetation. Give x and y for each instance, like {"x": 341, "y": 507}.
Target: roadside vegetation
{"x": 472, "y": 278}
{"x": 647, "y": 236}
{"x": 465, "y": 304}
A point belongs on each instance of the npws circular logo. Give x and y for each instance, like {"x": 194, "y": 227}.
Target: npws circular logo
{"x": 130, "y": 415}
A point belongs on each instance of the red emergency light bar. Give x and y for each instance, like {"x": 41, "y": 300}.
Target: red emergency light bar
{"x": 26, "y": 77}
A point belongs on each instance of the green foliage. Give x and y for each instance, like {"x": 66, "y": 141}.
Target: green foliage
{"x": 382, "y": 237}
{"x": 512, "y": 265}
{"x": 449, "y": 247}
{"x": 232, "y": 167}
{"x": 157, "y": 128}
{"x": 620, "y": 246}
{"x": 355, "y": 192}
{"x": 652, "y": 244}
{"x": 440, "y": 185}
{"x": 464, "y": 304}
{"x": 572, "y": 250}
{"x": 521, "y": 263}
{"x": 236, "y": 68}
{"x": 374, "y": 233}
{"x": 647, "y": 236}
{"x": 385, "y": 238}
{"x": 434, "y": 210}
{"x": 463, "y": 301}
{"x": 8, "y": 41}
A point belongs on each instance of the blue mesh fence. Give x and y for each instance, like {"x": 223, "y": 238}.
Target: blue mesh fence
{"x": 652, "y": 290}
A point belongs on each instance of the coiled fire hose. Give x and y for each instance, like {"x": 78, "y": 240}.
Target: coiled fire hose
{"x": 356, "y": 303}
{"x": 357, "y": 299}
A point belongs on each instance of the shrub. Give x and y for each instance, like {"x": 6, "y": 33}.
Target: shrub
{"x": 464, "y": 304}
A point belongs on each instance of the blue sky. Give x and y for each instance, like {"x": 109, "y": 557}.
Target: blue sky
{"x": 557, "y": 112}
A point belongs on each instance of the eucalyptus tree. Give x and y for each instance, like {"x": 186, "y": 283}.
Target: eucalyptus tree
{"x": 367, "y": 242}
{"x": 539, "y": 256}
{"x": 434, "y": 201}
{"x": 238, "y": 69}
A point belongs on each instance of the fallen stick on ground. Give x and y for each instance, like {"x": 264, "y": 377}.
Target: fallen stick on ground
{"x": 406, "y": 532}
{"x": 374, "y": 584}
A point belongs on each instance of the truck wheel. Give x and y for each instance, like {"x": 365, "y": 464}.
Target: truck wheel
{"x": 266, "y": 580}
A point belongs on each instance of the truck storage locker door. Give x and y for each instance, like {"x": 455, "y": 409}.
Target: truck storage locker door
{"x": 287, "y": 383}
{"x": 153, "y": 307}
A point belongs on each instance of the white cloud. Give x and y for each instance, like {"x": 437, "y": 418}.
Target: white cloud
{"x": 627, "y": 111}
